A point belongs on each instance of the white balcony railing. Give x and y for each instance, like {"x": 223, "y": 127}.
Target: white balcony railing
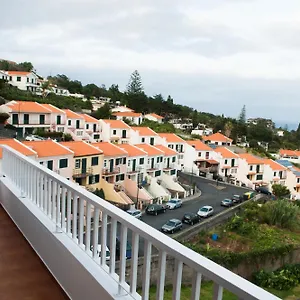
{"x": 54, "y": 199}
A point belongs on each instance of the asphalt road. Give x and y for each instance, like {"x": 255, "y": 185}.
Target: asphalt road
{"x": 212, "y": 194}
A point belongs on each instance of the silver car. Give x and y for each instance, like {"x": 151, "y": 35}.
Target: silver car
{"x": 205, "y": 211}
{"x": 135, "y": 213}
{"x": 174, "y": 203}
{"x": 171, "y": 226}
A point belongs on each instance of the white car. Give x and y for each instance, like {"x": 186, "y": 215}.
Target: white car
{"x": 135, "y": 213}
{"x": 205, "y": 211}
{"x": 174, "y": 203}
{"x": 99, "y": 251}
{"x": 32, "y": 137}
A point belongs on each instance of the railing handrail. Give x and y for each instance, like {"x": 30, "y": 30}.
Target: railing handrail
{"x": 199, "y": 263}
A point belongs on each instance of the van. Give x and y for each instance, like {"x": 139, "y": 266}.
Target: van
{"x": 248, "y": 195}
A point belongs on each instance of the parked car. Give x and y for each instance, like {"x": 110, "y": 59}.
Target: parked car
{"x": 174, "y": 203}
{"x": 155, "y": 209}
{"x": 118, "y": 249}
{"x": 191, "y": 218}
{"x": 33, "y": 137}
{"x": 227, "y": 203}
{"x": 135, "y": 213}
{"x": 171, "y": 226}
{"x": 99, "y": 251}
{"x": 263, "y": 190}
{"x": 205, "y": 211}
{"x": 237, "y": 199}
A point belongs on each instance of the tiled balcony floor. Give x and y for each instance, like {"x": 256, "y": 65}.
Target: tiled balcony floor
{"x": 23, "y": 276}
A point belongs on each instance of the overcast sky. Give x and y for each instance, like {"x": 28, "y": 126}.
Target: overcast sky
{"x": 214, "y": 55}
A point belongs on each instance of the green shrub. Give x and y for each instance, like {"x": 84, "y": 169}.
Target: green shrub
{"x": 241, "y": 226}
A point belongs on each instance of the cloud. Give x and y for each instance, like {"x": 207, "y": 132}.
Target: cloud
{"x": 222, "y": 43}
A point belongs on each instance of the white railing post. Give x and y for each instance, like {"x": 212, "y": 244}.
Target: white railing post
{"x": 196, "y": 286}
{"x": 177, "y": 280}
{"x": 88, "y": 227}
{"x": 81, "y": 221}
{"x": 134, "y": 262}
{"x": 146, "y": 270}
{"x": 217, "y": 292}
{"x": 49, "y": 198}
{"x": 113, "y": 242}
{"x": 96, "y": 233}
{"x": 161, "y": 275}
{"x": 63, "y": 208}
{"x": 103, "y": 238}
{"x": 58, "y": 199}
{"x": 74, "y": 216}
{"x": 69, "y": 215}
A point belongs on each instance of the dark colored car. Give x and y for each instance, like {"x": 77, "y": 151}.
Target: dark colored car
{"x": 155, "y": 209}
{"x": 263, "y": 190}
{"x": 191, "y": 218}
{"x": 171, "y": 226}
{"x": 118, "y": 249}
{"x": 237, "y": 199}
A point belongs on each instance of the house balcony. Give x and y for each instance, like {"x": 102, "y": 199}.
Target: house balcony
{"x": 79, "y": 173}
{"x": 152, "y": 168}
{"x": 131, "y": 171}
{"x": 110, "y": 171}
{"x": 42, "y": 204}
{"x": 169, "y": 167}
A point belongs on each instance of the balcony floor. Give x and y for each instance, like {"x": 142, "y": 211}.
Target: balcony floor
{"x": 22, "y": 273}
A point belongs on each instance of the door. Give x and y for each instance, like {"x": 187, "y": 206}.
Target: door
{"x": 133, "y": 165}
{"x": 94, "y": 127}
{"x": 50, "y": 164}
{"x": 58, "y": 120}
{"x": 152, "y": 141}
{"x": 83, "y": 166}
{"x": 77, "y": 124}
{"x": 123, "y": 134}
{"x": 26, "y": 118}
{"x": 15, "y": 119}
{"x": 42, "y": 119}
{"x": 168, "y": 162}
{"x": 111, "y": 165}
{"x": 152, "y": 163}
{"x": 232, "y": 162}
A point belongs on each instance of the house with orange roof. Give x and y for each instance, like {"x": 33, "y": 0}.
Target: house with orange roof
{"x": 274, "y": 173}
{"x": 143, "y": 135}
{"x": 228, "y": 162}
{"x": 171, "y": 161}
{"x": 290, "y": 155}
{"x": 154, "y": 164}
{"x": 198, "y": 157}
{"x": 251, "y": 170}
{"x": 3, "y": 75}
{"x": 58, "y": 118}
{"x": 92, "y": 128}
{"x": 115, "y": 131}
{"x": 154, "y": 117}
{"x": 88, "y": 162}
{"x": 26, "y": 81}
{"x": 133, "y": 117}
{"x": 18, "y": 146}
{"x": 53, "y": 156}
{"x": 217, "y": 139}
{"x": 75, "y": 125}
{"x": 121, "y": 109}
{"x": 114, "y": 162}
{"x": 27, "y": 116}
{"x": 174, "y": 142}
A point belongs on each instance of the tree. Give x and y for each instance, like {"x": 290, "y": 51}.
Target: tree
{"x": 114, "y": 94}
{"x": 242, "y": 116}
{"x": 134, "y": 85}
{"x": 102, "y": 112}
{"x": 195, "y": 118}
{"x": 100, "y": 193}
{"x": 280, "y": 191}
{"x": 26, "y": 66}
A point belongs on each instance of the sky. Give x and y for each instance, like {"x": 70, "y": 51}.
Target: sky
{"x": 212, "y": 55}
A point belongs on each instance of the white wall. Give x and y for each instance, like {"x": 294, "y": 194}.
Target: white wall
{"x": 23, "y": 84}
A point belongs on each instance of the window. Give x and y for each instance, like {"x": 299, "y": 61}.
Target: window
{"x": 42, "y": 119}
{"x": 142, "y": 161}
{"x": 120, "y": 177}
{"x": 259, "y": 177}
{"x": 95, "y": 161}
{"x": 124, "y": 134}
{"x": 50, "y": 164}
{"x": 199, "y": 154}
{"x": 174, "y": 159}
{"x": 105, "y": 163}
{"x": 158, "y": 160}
{"x": 77, "y": 163}
{"x": 26, "y": 118}
{"x": 251, "y": 168}
{"x": 143, "y": 140}
{"x": 114, "y": 132}
{"x": 152, "y": 141}
{"x": 173, "y": 172}
{"x": 60, "y": 129}
{"x": 161, "y": 159}
{"x": 63, "y": 163}
{"x": 96, "y": 136}
{"x": 94, "y": 179}
{"x": 157, "y": 173}
{"x": 10, "y": 78}
{"x": 58, "y": 120}
{"x": 274, "y": 174}
{"x": 79, "y": 133}
{"x": 118, "y": 161}
{"x": 15, "y": 119}
{"x": 27, "y": 79}
{"x": 124, "y": 160}
{"x": 18, "y": 78}
{"x": 129, "y": 162}
{"x": 69, "y": 122}
{"x": 86, "y": 126}
{"x": 226, "y": 161}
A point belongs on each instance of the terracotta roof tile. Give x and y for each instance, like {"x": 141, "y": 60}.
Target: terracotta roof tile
{"x": 81, "y": 148}
{"x": 274, "y": 165}
{"x": 251, "y": 159}
{"x": 226, "y": 153}
{"x": 133, "y": 150}
{"x": 172, "y": 138}
{"x": 286, "y": 152}
{"x": 21, "y": 73}
{"x": 53, "y": 108}
{"x": 110, "y": 149}
{"x": 150, "y": 150}
{"x": 199, "y": 146}
{"x": 18, "y": 146}
{"x": 127, "y": 114}
{"x": 72, "y": 115}
{"x": 144, "y": 131}
{"x": 48, "y": 148}
{"x": 89, "y": 119}
{"x": 116, "y": 124}
{"x": 218, "y": 137}
{"x": 27, "y": 107}
{"x": 167, "y": 151}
